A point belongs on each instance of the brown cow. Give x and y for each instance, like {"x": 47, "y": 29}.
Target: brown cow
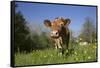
{"x": 59, "y": 32}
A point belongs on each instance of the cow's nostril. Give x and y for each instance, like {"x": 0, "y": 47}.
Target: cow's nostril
{"x": 56, "y": 33}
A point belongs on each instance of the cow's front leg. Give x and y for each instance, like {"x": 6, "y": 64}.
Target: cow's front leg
{"x": 56, "y": 47}
{"x": 65, "y": 48}
{"x": 55, "y": 44}
{"x": 59, "y": 42}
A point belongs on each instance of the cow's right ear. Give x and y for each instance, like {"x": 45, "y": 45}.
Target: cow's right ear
{"x": 47, "y": 23}
{"x": 67, "y": 21}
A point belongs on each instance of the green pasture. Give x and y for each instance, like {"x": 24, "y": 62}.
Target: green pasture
{"x": 78, "y": 53}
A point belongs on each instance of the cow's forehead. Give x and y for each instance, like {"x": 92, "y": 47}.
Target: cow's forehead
{"x": 57, "y": 22}
{"x": 58, "y": 19}
{"x": 54, "y": 23}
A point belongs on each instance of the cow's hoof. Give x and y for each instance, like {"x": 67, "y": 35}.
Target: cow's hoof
{"x": 63, "y": 51}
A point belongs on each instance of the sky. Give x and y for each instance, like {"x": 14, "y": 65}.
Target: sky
{"x": 36, "y": 13}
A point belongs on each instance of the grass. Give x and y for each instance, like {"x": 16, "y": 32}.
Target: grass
{"x": 50, "y": 56}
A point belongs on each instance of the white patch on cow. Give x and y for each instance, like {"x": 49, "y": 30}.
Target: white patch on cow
{"x": 58, "y": 42}
{"x": 54, "y": 33}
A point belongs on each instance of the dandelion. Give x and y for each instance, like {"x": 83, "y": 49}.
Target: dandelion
{"x": 89, "y": 57}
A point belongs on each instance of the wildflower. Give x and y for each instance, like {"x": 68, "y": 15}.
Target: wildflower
{"x": 60, "y": 54}
{"x": 51, "y": 55}
{"x": 85, "y": 52}
{"x": 75, "y": 53}
{"x": 89, "y": 57}
{"x": 94, "y": 46}
{"x": 45, "y": 56}
{"x": 66, "y": 51}
{"x": 76, "y": 59}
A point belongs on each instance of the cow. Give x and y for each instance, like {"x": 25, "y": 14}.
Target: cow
{"x": 59, "y": 33}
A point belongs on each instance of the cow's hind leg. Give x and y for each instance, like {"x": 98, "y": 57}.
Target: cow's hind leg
{"x": 66, "y": 42}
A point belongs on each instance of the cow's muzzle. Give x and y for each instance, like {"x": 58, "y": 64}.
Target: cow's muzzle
{"x": 54, "y": 34}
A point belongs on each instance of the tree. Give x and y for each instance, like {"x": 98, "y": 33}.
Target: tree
{"x": 25, "y": 39}
{"x": 88, "y": 32}
{"x": 21, "y": 31}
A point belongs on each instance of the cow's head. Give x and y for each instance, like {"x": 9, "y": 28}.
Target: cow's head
{"x": 56, "y": 26}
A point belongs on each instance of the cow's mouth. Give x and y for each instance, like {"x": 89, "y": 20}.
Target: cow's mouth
{"x": 54, "y": 36}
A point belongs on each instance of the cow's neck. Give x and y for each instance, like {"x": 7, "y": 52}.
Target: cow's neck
{"x": 64, "y": 32}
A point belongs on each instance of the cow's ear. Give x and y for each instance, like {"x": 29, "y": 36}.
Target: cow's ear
{"x": 67, "y": 21}
{"x": 47, "y": 23}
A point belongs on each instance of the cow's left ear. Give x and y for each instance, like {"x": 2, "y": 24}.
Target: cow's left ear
{"x": 67, "y": 21}
{"x": 47, "y": 23}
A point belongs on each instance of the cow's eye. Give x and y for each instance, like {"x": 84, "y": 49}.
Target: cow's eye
{"x": 61, "y": 25}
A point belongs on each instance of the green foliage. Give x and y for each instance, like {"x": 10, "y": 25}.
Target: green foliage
{"x": 21, "y": 31}
{"x": 41, "y": 41}
{"x": 50, "y": 56}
